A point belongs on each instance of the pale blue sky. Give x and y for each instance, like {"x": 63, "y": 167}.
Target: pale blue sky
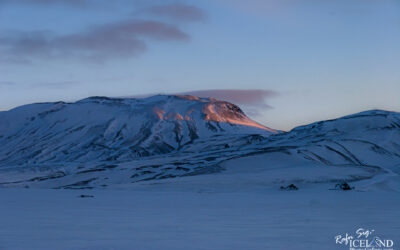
{"x": 323, "y": 59}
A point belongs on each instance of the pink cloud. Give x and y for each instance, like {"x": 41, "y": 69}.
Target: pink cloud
{"x": 248, "y": 97}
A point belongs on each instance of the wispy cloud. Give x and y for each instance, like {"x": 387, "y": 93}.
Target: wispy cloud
{"x": 120, "y": 39}
{"x": 248, "y": 97}
{"x": 253, "y": 101}
{"x": 177, "y": 11}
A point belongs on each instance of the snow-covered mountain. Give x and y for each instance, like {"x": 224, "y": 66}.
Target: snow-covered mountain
{"x": 107, "y": 142}
{"x": 109, "y": 129}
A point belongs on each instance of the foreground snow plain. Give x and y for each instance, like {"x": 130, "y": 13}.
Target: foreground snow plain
{"x": 176, "y": 215}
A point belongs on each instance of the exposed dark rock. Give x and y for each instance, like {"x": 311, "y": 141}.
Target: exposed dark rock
{"x": 86, "y": 196}
{"x": 289, "y": 187}
{"x": 343, "y": 186}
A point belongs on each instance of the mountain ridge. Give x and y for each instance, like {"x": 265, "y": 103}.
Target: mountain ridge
{"x": 158, "y": 143}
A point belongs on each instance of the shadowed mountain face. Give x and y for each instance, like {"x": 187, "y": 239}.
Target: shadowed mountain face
{"x": 101, "y": 142}
{"x": 105, "y": 129}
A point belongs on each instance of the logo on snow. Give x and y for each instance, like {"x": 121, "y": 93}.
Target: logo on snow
{"x": 364, "y": 240}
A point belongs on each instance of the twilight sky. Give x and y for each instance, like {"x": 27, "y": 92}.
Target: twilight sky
{"x": 286, "y": 63}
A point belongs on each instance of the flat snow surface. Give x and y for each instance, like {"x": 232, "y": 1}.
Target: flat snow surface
{"x": 192, "y": 219}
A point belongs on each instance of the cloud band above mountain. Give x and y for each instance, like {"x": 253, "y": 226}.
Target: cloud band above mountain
{"x": 249, "y": 97}
{"x": 125, "y": 38}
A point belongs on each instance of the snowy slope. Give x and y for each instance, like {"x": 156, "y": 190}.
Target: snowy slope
{"x": 362, "y": 148}
{"x": 102, "y": 142}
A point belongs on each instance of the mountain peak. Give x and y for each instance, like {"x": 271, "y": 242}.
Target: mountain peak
{"x": 184, "y": 107}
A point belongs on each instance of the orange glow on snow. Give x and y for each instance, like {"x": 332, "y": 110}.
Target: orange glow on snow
{"x": 212, "y": 115}
{"x": 213, "y": 112}
{"x": 159, "y": 112}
